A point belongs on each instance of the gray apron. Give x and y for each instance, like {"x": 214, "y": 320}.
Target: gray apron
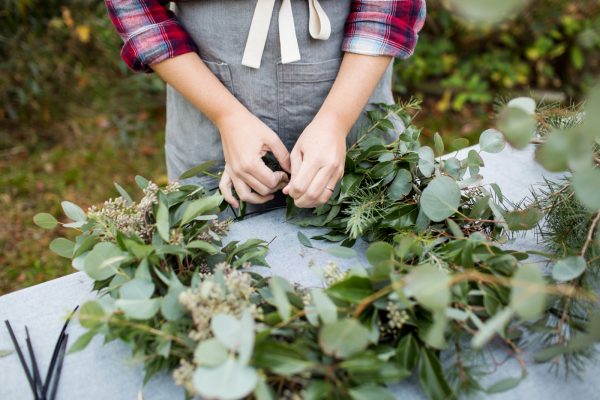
{"x": 285, "y": 96}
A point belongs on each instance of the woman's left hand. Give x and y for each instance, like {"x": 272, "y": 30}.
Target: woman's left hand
{"x": 317, "y": 162}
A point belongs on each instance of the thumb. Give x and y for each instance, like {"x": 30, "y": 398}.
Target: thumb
{"x": 280, "y": 152}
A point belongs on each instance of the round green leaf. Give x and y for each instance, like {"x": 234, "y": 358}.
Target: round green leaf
{"x": 73, "y": 211}
{"x": 430, "y": 286}
{"x": 91, "y": 315}
{"x": 441, "y": 198}
{"x": 45, "y": 221}
{"x": 554, "y": 154}
{"x": 210, "y": 353}
{"x": 63, "y": 247}
{"x": 401, "y": 186}
{"x": 526, "y": 104}
{"x": 569, "y": 268}
{"x": 378, "y": 252}
{"x": 487, "y": 12}
{"x": 528, "y": 297}
{"x": 517, "y": 125}
{"x": 230, "y": 381}
{"x": 139, "y": 309}
{"x": 344, "y": 338}
{"x": 586, "y": 184}
{"x": 426, "y": 161}
{"x": 95, "y": 264}
{"x": 324, "y": 305}
{"x": 137, "y": 289}
{"x": 492, "y": 141}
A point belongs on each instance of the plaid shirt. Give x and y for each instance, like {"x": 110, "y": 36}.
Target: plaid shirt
{"x": 151, "y": 32}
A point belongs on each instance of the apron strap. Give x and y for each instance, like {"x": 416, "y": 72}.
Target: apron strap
{"x": 319, "y": 28}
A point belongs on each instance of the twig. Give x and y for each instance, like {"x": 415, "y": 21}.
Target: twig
{"x": 590, "y": 236}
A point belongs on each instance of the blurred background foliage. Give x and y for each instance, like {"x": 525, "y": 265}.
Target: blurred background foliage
{"x": 74, "y": 119}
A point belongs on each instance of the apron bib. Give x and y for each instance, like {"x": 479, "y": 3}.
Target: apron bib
{"x": 284, "y": 95}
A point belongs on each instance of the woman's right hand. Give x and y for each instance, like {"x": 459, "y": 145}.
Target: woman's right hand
{"x": 246, "y": 139}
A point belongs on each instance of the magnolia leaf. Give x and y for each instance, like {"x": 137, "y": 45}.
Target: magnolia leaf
{"x": 528, "y": 297}
{"x": 505, "y": 384}
{"x": 278, "y": 289}
{"x": 73, "y": 211}
{"x": 460, "y": 143}
{"x": 45, "y": 221}
{"x": 137, "y": 289}
{"x": 517, "y": 125}
{"x": 491, "y": 327}
{"x": 352, "y": 289}
{"x": 200, "y": 206}
{"x": 324, "y": 305}
{"x": 432, "y": 378}
{"x": 523, "y": 220}
{"x": 440, "y": 199}
{"x": 426, "y": 161}
{"x": 229, "y": 381}
{"x": 430, "y": 286}
{"x": 63, "y": 247}
{"x": 343, "y": 338}
{"x": 210, "y": 353}
{"x": 408, "y": 352}
{"x": 162, "y": 220}
{"x": 197, "y": 170}
{"x": 141, "y": 182}
{"x": 401, "y": 186}
{"x": 341, "y": 252}
{"x": 569, "y": 268}
{"x": 491, "y": 141}
{"x": 586, "y": 184}
{"x": 139, "y": 309}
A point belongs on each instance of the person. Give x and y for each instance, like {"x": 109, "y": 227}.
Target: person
{"x": 294, "y": 78}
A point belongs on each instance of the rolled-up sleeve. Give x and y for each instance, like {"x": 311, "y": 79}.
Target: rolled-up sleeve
{"x": 384, "y": 27}
{"x": 150, "y": 32}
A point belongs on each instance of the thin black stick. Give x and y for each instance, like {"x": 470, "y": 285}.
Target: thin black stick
{"x": 63, "y": 347}
{"x": 37, "y": 380}
{"x": 21, "y": 358}
{"x": 57, "y": 347}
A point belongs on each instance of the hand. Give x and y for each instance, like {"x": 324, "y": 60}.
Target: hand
{"x": 317, "y": 162}
{"x": 246, "y": 139}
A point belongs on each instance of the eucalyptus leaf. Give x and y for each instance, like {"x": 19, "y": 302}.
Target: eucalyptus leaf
{"x": 569, "y": 268}
{"x": 488, "y": 12}
{"x": 586, "y": 184}
{"x": 492, "y": 141}
{"x": 198, "y": 169}
{"x": 162, "y": 221}
{"x": 137, "y": 289}
{"x": 45, "y": 221}
{"x": 426, "y": 161}
{"x": 430, "y": 286}
{"x": 139, "y": 309}
{"x": 325, "y": 307}
{"x": 528, "y": 296}
{"x": 440, "y": 199}
{"x": 277, "y": 286}
{"x": 517, "y": 125}
{"x": 95, "y": 265}
{"x": 123, "y": 193}
{"x": 63, "y": 247}
{"x": 73, "y": 211}
{"x": 341, "y": 252}
{"x": 343, "y": 338}
{"x": 491, "y": 327}
{"x": 199, "y": 207}
{"x": 210, "y": 353}
{"x": 523, "y": 220}
{"x": 401, "y": 186}
{"x": 439, "y": 144}
{"x": 304, "y": 240}
{"x": 229, "y": 381}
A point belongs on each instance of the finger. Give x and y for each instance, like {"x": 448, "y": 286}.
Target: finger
{"x": 261, "y": 178}
{"x": 295, "y": 162}
{"x": 258, "y": 185}
{"x": 316, "y": 188}
{"x": 283, "y": 179}
{"x": 280, "y": 152}
{"x": 245, "y": 193}
{"x": 326, "y": 195}
{"x": 225, "y": 186}
{"x": 301, "y": 181}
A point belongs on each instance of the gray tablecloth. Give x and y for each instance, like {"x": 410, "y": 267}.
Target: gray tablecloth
{"x": 106, "y": 372}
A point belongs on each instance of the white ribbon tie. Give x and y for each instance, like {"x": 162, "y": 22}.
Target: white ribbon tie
{"x": 319, "y": 27}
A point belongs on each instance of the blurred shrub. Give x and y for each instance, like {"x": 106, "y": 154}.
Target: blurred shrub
{"x": 554, "y": 45}
{"x": 59, "y": 57}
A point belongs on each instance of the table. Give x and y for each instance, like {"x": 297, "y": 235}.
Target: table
{"x": 106, "y": 372}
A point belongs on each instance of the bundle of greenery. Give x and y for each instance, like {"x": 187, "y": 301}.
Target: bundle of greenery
{"x": 438, "y": 289}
